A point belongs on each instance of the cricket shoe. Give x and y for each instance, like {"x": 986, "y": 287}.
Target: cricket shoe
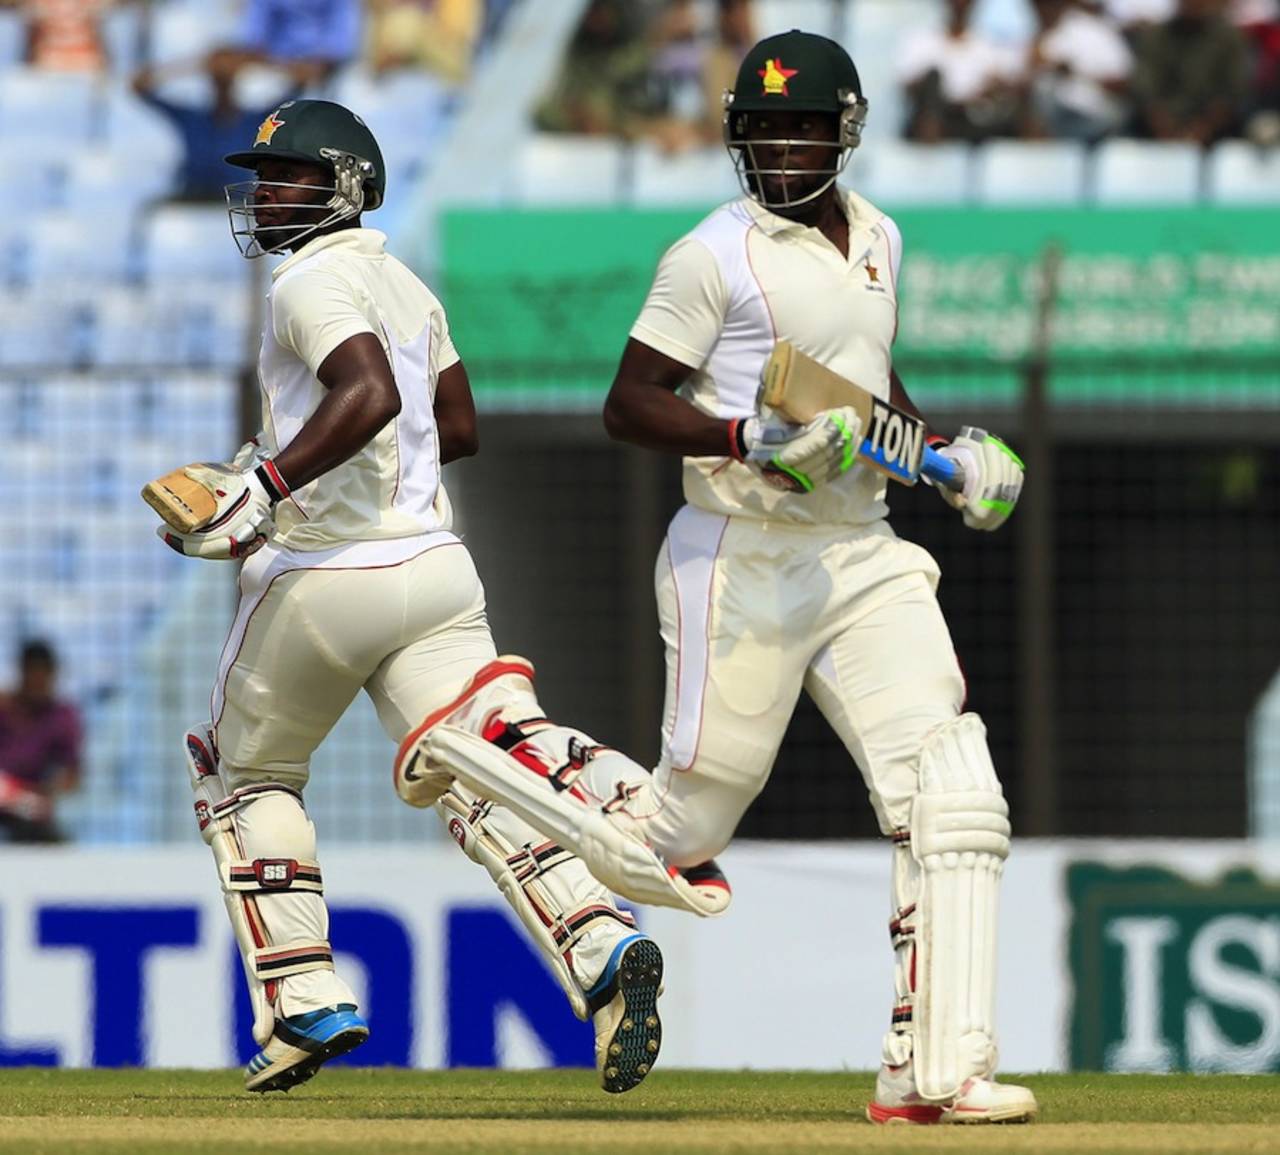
{"x": 624, "y": 1012}
{"x": 301, "y": 1044}
{"x": 979, "y": 1101}
{"x": 710, "y": 882}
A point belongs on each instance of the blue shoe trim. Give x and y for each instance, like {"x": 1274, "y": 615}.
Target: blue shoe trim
{"x": 317, "y": 1027}
{"x": 611, "y": 967}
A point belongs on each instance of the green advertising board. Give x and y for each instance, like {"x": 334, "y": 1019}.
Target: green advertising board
{"x": 1154, "y": 307}
{"x": 1171, "y": 974}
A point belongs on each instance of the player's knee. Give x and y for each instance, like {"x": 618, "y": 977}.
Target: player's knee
{"x": 698, "y": 838}
{"x": 242, "y": 777}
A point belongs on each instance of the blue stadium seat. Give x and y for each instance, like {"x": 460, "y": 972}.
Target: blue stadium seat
{"x": 99, "y": 179}
{"x": 13, "y": 35}
{"x": 140, "y": 138}
{"x": 1015, "y": 172}
{"x": 136, "y": 328}
{"x": 40, "y": 105}
{"x": 897, "y": 173}
{"x": 700, "y": 177}
{"x": 186, "y": 243}
{"x": 181, "y": 31}
{"x": 83, "y": 248}
{"x": 122, "y": 34}
{"x": 44, "y": 331}
{"x": 774, "y": 16}
{"x": 1242, "y": 174}
{"x": 560, "y": 169}
{"x": 1128, "y": 172}
{"x": 215, "y": 329}
{"x": 406, "y": 110}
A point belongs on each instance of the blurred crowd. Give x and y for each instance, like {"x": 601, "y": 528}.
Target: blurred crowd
{"x": 309, "y": 39}
{"x": 1184, "y": 70}
{"x": 649, "y": 69}
{"x": 1190, "y": 70}
{"x": 273, "y": 49}
{"x": 40, "y": 740}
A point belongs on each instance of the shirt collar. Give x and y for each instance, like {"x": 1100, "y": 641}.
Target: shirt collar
{"x": 370, "y": 242}
{"x": 770, "y": 223}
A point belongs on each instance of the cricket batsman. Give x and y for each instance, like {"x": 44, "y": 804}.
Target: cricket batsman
{"x": 353, "y": 580}
{"x": 781, "y": 573}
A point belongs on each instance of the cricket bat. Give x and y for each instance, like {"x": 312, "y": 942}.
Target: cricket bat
{"x": 183, "y": 504}
{"x": 893, "y": 441}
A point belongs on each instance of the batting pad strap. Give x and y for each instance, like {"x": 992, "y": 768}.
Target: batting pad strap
{"x": 567, "y": 930}
{"x": 294, "y": 959}
{"x": 960, "y": 822}
{"x": 238, "y": 799}
{"x": 532, "y": 862}
{"x": 273, "y": 876}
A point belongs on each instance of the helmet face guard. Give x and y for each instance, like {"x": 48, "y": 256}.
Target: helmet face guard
{"x": 346, "y": 200}
{"x": 747, "y": 162}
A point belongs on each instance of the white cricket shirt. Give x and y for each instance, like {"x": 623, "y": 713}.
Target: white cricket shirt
{"x": 745, "y": 278}
{"x": 333, "y": 288}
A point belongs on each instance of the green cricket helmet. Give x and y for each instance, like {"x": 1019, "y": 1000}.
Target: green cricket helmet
{"x": 792, "y": 72}
{"x": 318, "y": 132}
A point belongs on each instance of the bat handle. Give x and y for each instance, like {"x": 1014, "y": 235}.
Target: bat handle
{"x": 942, "y": 470}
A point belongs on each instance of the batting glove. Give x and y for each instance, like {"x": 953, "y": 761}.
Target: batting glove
{"x": 798, "y": 458}
{"x": 993, "y": 476}
{"x": 246, "y": 500}
{"x": 252, "y": 452}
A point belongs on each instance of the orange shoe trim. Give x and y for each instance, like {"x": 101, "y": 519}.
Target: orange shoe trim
{"x": 923, "y": 1113}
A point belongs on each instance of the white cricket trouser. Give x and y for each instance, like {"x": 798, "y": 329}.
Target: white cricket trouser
{"x": 305, "y": 641}
{"x": 751, "y": 613}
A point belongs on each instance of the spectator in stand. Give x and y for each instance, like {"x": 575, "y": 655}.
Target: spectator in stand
{"x": 1133, "y": 15}
{"x": 606, "y": 82}
{"x": 1259, "y": 21}
{"x": 438, "y": 35}
{"x": 959, "y": 84}
{"x": 691, "y": 71}
{"x": 734, "y": 38}
{"x": 309, "y": 39}
{"x": 208, "y": 132}
{"x": 1192, "y": 77}
{"x": 64, "y": 35}
{"x": 39, "y": 748}
{"x": 1077, "y": 73}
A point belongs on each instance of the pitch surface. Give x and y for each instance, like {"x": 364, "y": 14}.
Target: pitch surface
{"x": 704, "y": 1113}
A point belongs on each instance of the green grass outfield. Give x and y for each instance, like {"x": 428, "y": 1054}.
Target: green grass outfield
{"x": 377, "y": 1111}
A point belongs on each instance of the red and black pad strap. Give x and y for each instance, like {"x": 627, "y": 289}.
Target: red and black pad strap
{"x": 274, "y": 875}
{"x": 295, "y": 959}
{"x": 569, "y": 929}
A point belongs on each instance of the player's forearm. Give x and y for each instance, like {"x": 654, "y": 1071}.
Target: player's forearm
{"x": 346, "y": 420}
{"x": 655, "y": 418}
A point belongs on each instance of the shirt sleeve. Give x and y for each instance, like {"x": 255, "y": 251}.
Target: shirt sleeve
{"x": 444, "y": 354}
{"x": 893, "y": 235}
{"x": 313, "y": 312}
{"x": 685, "y": 310}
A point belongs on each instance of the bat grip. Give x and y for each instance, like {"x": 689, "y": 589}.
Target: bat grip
{"x": 942, "y": 471}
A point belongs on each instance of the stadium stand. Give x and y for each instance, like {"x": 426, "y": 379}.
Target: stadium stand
{"x": 127, "y": 321}
{"x": 1013, "y": 172}
{"x": 1146, "y": 172}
